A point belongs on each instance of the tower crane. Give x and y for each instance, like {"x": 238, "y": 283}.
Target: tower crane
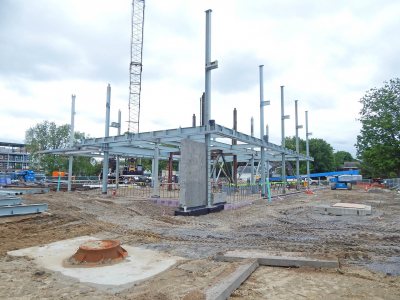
{"x": 135, "y": 70}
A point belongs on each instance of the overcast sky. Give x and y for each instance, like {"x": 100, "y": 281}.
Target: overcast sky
{"x": 327, "y": 54}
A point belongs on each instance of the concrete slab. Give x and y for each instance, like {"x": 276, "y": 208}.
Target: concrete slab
{"x": 265, "y": 259}
{"x": 342, "y": 209}
{"x": 352, "y": 205}
{"x": 227, "y": 285}
{"x": 139, "y": 265}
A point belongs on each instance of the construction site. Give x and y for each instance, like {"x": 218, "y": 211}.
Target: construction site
{"x": 214, "y": 233}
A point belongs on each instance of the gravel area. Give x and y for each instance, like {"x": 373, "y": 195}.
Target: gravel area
{"x": 368, "y": 247}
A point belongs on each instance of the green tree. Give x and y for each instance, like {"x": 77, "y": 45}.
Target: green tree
{"x": 290, "y": 143}
{"x": 322, "y": 152}
{"x": 84, "y": 165}
{"x": 47, "y": 136}
{"x": 378, "y": 144}
{"x": 340, "y": 157}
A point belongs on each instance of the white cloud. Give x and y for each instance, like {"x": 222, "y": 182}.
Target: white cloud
{"x": 326, "y": 53}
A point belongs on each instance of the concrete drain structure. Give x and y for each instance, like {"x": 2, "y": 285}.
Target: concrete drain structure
{"x": 139, "y": 265}
{"x": 98, "y": 252}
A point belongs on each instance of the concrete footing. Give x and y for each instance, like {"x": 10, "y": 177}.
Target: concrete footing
{"x": 224, "y": 289}
{"x": 278, "y": 261}
{"x": 251, "y": 260}
{"x": 198, "y": 211}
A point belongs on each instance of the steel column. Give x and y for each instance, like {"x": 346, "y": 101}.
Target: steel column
{"x": 105, "y": 149}
{"x": 307, "y": 152}
{"x": 283, "y": 144}
{"x": 71, "y": 143}
{"x": 252, "y": 155}
{"x": 156, "y": 192}
{"x": 262, "y": 104}
{"x": 117, "y": 158}
{"x": 234, "y": 142}
{"x": 207, "y": 102}
{"x": 297, "y": 147}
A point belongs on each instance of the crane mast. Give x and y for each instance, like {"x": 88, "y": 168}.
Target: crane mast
{"x": 135, "y": 70}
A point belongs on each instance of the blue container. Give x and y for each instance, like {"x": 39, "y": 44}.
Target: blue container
{"x": 2, "y": 180}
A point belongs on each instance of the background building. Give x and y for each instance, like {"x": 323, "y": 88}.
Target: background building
{"x": 13, "y": 157}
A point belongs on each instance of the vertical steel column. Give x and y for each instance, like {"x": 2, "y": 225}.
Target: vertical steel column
{"x": 252, "y": 155}
{"x": 194, "y": 120}
{"x": 202, "y": 110}
{"x": 234, "y": 142}
{"x": 297, "y": 147}
{"x": 105, "y": 150}
{"x": 156, "y": 192}
{"x": 170, "y": 166}
{"x": 283, "y": 117}
{"x": 262, "y": 104}
{"x": 207, "y": 102}
{"x": 307, "y": 152}
{"x": 117, "y": 163}
{"x": 71, "y": 143}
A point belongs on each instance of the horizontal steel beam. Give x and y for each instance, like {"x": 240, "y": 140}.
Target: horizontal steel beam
{"x": 143, "y": 144}
{"x": 22, "y": 209}
{"x": 10, "y": 201}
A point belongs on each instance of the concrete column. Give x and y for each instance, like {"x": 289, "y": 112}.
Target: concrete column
{"x": 71, "y": 143}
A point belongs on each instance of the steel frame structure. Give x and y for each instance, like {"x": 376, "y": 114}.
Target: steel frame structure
{"x": 166, "y": 141}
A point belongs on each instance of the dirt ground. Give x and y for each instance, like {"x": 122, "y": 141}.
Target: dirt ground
{"x": 368, "y": 247}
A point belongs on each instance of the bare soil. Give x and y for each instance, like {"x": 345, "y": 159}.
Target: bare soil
{"x": 368, "y": 247}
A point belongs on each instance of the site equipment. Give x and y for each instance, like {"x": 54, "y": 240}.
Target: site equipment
{"x": 135, "y": 78}
{"x": 344, "y": 181}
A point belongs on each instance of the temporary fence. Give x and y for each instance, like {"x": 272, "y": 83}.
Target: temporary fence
{"x": 393, "y": 183}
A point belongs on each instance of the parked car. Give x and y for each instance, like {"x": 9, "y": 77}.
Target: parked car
{"x": 142, "y": 178}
